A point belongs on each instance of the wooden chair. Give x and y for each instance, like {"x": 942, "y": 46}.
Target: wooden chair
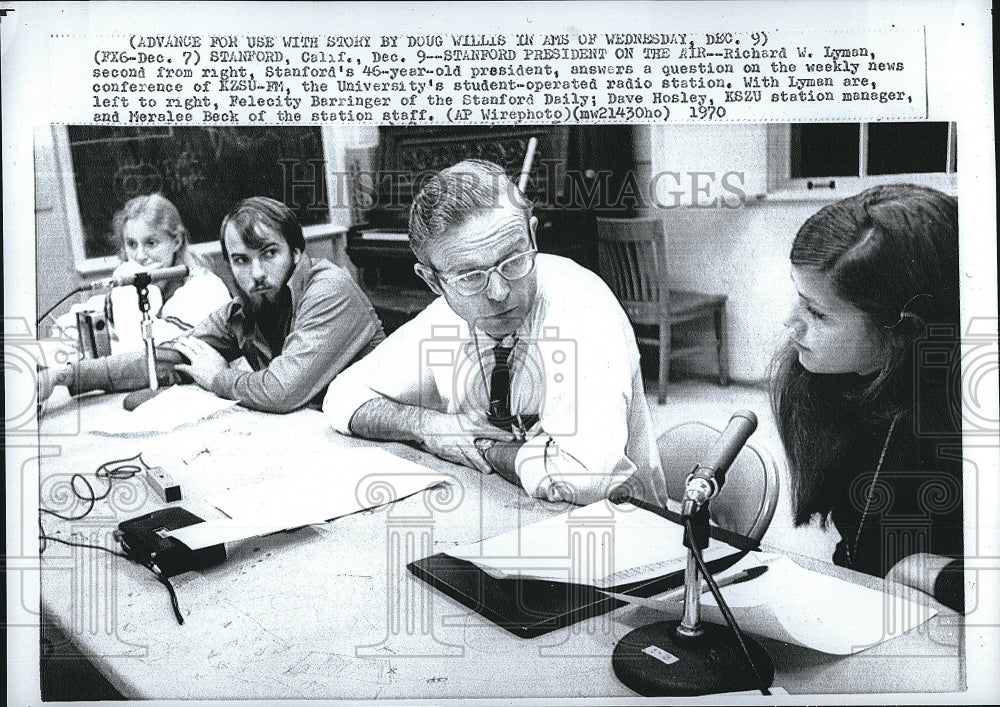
{"x": 747, "y": 500}
{"x": 632, "y": 260}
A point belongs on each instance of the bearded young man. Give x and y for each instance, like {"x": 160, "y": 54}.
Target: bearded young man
{"x": 297, "y": 321}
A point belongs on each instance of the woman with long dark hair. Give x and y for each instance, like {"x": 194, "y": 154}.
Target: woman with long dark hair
{"x": 866, "y": 392}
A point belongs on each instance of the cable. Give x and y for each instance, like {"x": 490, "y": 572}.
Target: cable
{"x": 104, "y": 471}
{"x": 86, "y": 545}
{"x": 61, "y": 300}
{"x": 175, "y": 605}
{"x": 730, "y": 619}
{"x": 116, "y": 469}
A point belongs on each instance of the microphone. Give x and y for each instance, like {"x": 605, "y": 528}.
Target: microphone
{"x": 707, "y": 478}
{"x": 126, "y": 280}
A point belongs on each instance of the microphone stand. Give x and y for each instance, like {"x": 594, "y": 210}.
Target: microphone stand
{"x": 136, "y": 398}
{"x": 689, "y": 657}
{"x": 690, "y": 625}
{"x": 141, "y": 283}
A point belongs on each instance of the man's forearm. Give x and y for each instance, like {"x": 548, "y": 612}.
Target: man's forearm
{"x": 502, "y": 456}
{"x": 450, "y": 436}
{"x": 919, "y": 570}
{"x": 112, "y": 374}
{"x": 384, "y": 419}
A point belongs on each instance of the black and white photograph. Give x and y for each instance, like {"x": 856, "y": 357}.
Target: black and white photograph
{"x": 573, "y": 353}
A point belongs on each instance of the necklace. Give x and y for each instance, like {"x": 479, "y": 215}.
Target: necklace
{"x": 851, "y": 553}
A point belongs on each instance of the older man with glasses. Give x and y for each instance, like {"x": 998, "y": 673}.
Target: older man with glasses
{"x": 525, "y": 365}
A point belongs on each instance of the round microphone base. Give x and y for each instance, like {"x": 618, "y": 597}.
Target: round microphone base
{"x": 654, "y": 661}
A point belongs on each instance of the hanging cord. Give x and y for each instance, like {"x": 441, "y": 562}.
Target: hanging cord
{"x": 116, "y": 469}
{"x": 49, "y": 311}
{"x": 165, "y": 581}
{"x": 45, "y": 538}
{"x": 730, "y": 619}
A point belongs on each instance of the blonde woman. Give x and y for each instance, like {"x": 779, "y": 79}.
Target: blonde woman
{"x": 152, "y": 236}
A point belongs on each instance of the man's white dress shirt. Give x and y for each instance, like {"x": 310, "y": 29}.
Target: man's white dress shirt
{"x": 575, "y": 365}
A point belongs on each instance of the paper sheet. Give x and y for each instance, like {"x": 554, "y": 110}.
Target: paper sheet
{"x": 672, "y": 600}
{"x": 602, "y": 545}
{"x": 353, "y": 480}
{"x": 795, "y": 605}
{"x": 175, "y": 406}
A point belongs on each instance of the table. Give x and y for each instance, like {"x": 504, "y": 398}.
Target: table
{"x": 329, "y": 611}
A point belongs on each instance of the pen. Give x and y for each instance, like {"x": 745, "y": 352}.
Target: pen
{"x": 744, "y": 576}
{"x": 678, "y": 594}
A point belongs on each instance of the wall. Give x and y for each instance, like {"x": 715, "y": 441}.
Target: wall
{"x": 741, "y": 252}
{"x": 56, "y": 274}
{"x": 56, "y": 269}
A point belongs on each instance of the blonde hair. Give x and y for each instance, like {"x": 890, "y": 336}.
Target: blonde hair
{"x": 162, "y": 215}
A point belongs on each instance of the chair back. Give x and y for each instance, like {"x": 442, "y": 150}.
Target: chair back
{"x": 631, "y": 259}
{"x": 747, "y": 501}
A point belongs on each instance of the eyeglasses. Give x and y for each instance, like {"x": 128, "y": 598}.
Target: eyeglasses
{"x": 513, "y": 268}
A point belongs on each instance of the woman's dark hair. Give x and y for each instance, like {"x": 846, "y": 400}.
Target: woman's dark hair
{"x": 891, "y": 252}
{"x": 247, "y": 214}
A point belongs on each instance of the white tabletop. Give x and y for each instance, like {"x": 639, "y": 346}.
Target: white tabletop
{"x": 330, "y": 611}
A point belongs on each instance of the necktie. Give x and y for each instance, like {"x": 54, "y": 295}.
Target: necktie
{"x": 499, "y": 412}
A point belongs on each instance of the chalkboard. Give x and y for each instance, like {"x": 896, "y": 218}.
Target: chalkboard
{"x": 204, "y": 171}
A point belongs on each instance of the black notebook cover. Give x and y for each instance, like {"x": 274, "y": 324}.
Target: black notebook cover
{"x": 533, "y": 607}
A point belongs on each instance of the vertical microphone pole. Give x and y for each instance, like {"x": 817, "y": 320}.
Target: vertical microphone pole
{"x": 690, "y": 625}
{"x": 141, "y": 283}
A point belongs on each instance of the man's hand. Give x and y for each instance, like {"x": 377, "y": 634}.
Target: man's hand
{"x": 206, "y": 362}
{"x": 49, "y": 378}
{"x": 452, "y": 437}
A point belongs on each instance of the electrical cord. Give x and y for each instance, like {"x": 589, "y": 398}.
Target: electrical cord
{"x": 73, "y": 544}
{"x": 108, "y": 471}
{"x": 114, "y": 470}
{"x": 174, "y": 604}
{"x": 723, "y": 606}
{"x": 61, "y": 300}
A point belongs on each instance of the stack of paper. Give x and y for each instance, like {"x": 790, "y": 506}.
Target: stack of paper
{"x": 358, "y": 479}
{"x": 604, "y": 545}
